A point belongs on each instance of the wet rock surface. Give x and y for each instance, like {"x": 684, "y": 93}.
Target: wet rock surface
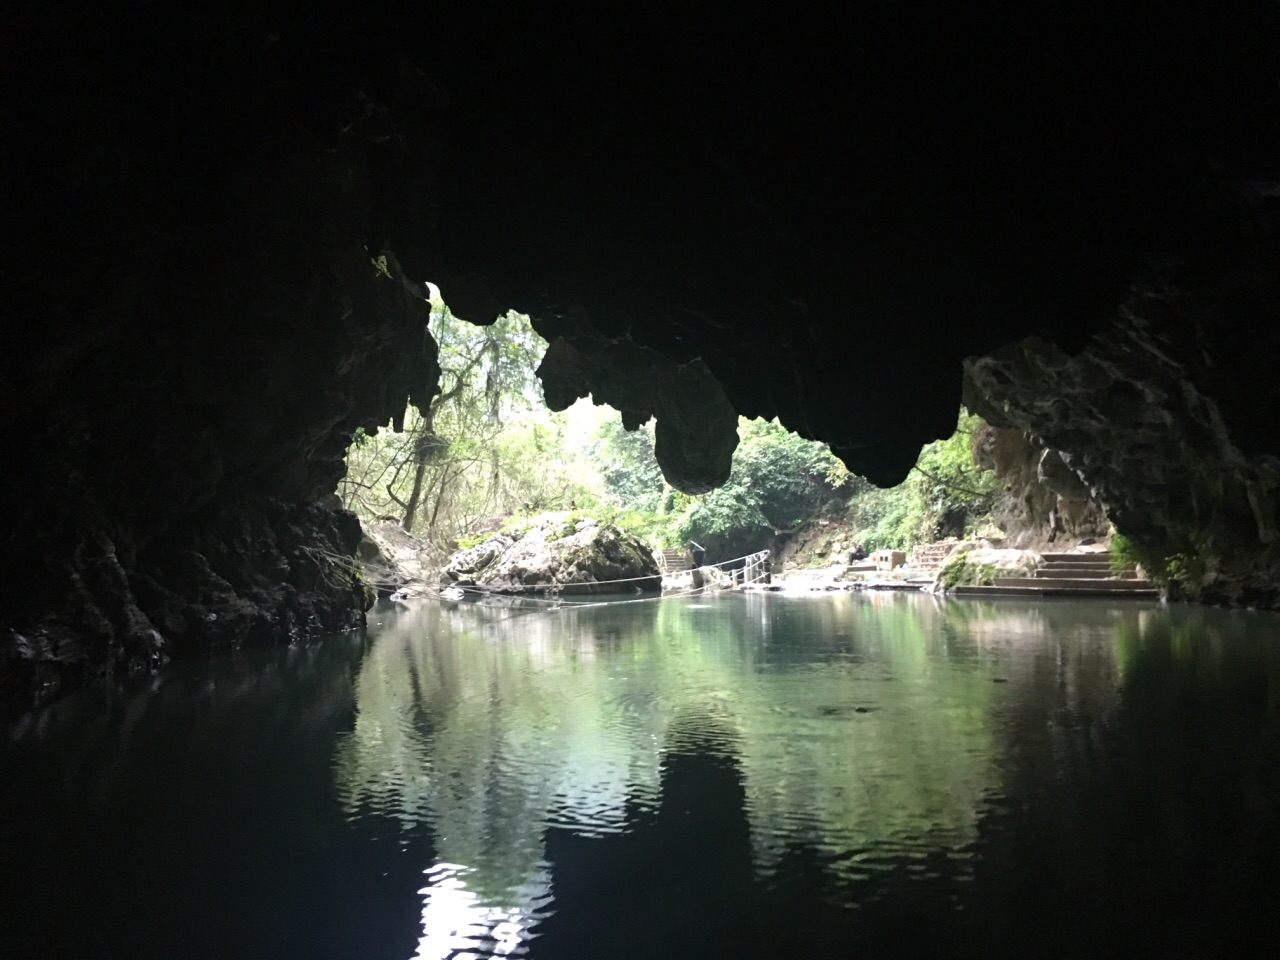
{"x": 252, "y": 570}
{"x": 558, "y": 553}
{"x": 1044, "y": 502}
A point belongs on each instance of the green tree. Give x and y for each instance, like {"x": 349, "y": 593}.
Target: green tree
{"x": 467, "y": 456}
{"x": 945, "y": 495}
{"x": 627, "y": 466}
{"x": 779, "y": 481}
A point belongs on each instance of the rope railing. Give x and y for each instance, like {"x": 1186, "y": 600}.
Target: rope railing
{"x": 750, "y": 560}
{"x": 753, "y": 563}
{"x": 556, "y": 603}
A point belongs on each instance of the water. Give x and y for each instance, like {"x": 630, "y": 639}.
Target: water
{"x": 742, "y": 776}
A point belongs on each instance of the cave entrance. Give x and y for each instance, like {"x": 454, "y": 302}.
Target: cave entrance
{"x": 487, "y": 454}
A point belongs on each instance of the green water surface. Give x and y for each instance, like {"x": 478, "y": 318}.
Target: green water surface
{"x": 735, "y": 776}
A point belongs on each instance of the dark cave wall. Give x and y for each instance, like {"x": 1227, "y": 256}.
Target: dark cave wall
{"x": 1169, "y": 417}
{"x": 815, "y": 219}
{"x": 1044, "y": 502}
{"x": 198, "y": 326}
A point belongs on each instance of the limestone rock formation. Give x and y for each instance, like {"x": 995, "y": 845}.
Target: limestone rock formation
{"x": 393, "y": 561}
{"x": 558, "y": 553}
{"x": 208, "y": 310}
{"x": 1147, "y": 417}
{"x": 254, "y": 570}
{"x": 977, "y": 562}
{"x": 697, "y": 428}
{"x": 468, "y": 564}
{"x": 1044, "y": 501}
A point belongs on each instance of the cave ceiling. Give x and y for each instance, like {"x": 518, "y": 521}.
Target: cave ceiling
{"x": 820, "y": 206}
{"x": 831, "y": 211}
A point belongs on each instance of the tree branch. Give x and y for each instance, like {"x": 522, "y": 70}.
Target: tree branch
{"x": 402, "y": 504}
{"x": 953, "y": 486}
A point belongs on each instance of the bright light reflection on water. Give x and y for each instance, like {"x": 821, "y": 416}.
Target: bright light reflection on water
{"x": 856, "y": 727}
{"x": 457, "y": 924}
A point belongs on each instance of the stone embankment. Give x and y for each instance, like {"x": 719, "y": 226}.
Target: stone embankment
{"x": 977, "y": 568}
{"x": 1067, "y": 575}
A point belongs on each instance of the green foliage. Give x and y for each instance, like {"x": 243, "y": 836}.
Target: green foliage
{"x": 468, "y": 540}
{"x": 1124, "y": 554}
{"x": 778, "y": 482}
{"x": 1180, "y": 572}
{"x": 566, "y": 526}
{"x": 626, "y": 463}
{"x": 959, "y": 570}
{"x": 486, "y": 447}
{"x": 653, "y": 528}
{"x": 946, "y": 495}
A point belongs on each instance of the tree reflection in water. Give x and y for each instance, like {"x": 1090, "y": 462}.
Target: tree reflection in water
{"x": 860, "y": 732}
{"x": 743, "y": 776}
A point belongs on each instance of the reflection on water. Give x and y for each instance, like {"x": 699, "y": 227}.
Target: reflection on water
{"x": 864, "y": 733}
{"x": 747, "y": 776}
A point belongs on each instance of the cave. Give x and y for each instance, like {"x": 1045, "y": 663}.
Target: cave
{"x": 222, "y": 219}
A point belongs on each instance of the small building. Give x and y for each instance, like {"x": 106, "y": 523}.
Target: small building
{"x": 888, "y": 559}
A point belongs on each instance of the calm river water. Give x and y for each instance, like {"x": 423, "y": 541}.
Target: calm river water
{"x": 740, "y": 776}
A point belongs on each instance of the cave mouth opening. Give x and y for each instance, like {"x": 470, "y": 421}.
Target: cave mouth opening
{"x": 489, "y": 452}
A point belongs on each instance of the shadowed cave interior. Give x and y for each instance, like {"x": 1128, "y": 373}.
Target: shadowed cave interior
{"x": 221, "y": 221}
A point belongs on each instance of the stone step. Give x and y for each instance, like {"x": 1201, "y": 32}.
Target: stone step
{"x": 1071, "y": 583}
{"x": 1045, "y": 591}
{"x": 1103, "y": 558}
{"x": 1061, "y": 565}
{"x": 675, "y": 560}
{"x": 1077, "y": 573}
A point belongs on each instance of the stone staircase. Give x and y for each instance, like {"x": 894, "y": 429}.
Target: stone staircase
{"x": 674, "y": 561}
{"x": 1069, "y": 575}
{"x": 927, "y": 558}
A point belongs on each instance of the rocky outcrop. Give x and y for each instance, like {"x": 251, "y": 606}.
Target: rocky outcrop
{"x": 1044, "y": 501}
{"x": 467, "y": 565}
{"x": 1149, "y": 418}
{"x": 394, "y": 561}
{"x": 558, "y": 553}
{"x": 209, "y": 307}
{"x": 978, "y": 563}
{"x": 697, "y": 428}
{"x": 253, "y": 569}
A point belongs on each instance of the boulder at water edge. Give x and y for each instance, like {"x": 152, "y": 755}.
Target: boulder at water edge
{"x": 558, "y": 552}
